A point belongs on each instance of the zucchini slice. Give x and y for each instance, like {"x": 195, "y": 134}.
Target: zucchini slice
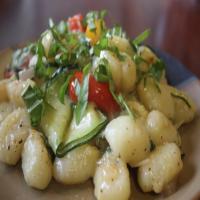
{"x": 91, "y": 124}
{"x": 56, "y": 117}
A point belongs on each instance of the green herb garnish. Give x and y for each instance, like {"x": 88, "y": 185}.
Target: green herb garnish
{"x": 33, "y": 98}
{"x": 82, "y": 94}
{"x": 181, "y": 97}
{"x": 140, "y": 39}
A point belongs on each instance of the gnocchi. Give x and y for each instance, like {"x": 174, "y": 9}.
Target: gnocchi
{"x": 5, "y": 109}
{"x": 36, "y": 162}
{"x": 69, "y": 169}
{"x": 14, "y": 90}
{"x": 156, "y": 96}
{"x": 123, "y": 72}
{"x": 161, "y": 168}
{"x": 111, "y": 179}
{"x": 122, "y": 44}
{"x": 185, "y": 108}
{"x": 128, "y": 139}
{"x": 13, "y": 133}
{"x": 161, "y": 129}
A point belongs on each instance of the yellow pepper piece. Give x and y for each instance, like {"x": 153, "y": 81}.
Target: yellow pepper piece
{"x": 94, "y": 35}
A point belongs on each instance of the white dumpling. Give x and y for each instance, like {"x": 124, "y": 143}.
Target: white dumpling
{"x": 5, "y": 109}
{"x": 77, "y": 166}
{"x": 137, "y": 108}
{"x": 36, "y": 162}
{"x": 14, "y": 90}
{"x": 3, "y": 90}
{"x": 162, "y": 166}
{"x": 148, "y": 56}
{"x": 111, "y": 180}
{"x": 123, "y": 71}
{"x": 114, "y": 66}
{"x": 161, "y": 129}
{"x": 156, "y": 96}
{"x": 128, "y": 139}
{"x": 13, "y": 133}
{"x": 122, "y": 44}
{"x": 185, "y": 108}
{"x": 128, "y": 74}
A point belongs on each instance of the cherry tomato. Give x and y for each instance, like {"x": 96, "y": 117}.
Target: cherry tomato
{"x": 99, "y": 94}
{"x": 75, "y": 23}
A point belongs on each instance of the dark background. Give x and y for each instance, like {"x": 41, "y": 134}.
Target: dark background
{"x": 175, "y": 24}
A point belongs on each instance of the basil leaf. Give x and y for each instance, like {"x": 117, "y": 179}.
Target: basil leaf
{"x": 156, "y": 70}
{"x": 33, "y": 99}
{"x": 83, "y": 95}
{"x": 125, "y": 106}
{"x": 103, "y": 44}
{"x": 101, "y": 72}
{"x": 63, "y": 89}
{"x": 141, "y": 38}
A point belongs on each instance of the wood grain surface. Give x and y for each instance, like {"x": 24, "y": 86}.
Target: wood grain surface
{"x": 175, "y": 24}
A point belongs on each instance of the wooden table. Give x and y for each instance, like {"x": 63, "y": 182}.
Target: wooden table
{"x": 175, "y": 24}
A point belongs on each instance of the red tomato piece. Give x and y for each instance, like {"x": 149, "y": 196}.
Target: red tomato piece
{"x": 75, "y": 23}
{"x": 99, "y": 94}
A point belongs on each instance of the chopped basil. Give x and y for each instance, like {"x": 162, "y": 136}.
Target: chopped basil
{"x": 181, "y": 97}
{"x": 156, "y": 69}
{"x": 82, "y": 94}
{"x": 20, "y": 58}
{"x": 101, "y": 72}
{"x": 140, "y": 38}
{"x": 103, "y": 44}
{"x": 125, "y": 106}
{"x": 63, "y": 88}
{"x": 33, "y": 98}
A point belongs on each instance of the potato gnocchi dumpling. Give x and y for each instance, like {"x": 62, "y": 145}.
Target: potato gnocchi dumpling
{"x": 137, "y": 108}
{"x": 156, "y": 96}
{"x": 5, "y": 109}
{"x": 77, "y": 166}
{"x": 111, "y": 179}
{"x": 128, "y": 139}
{"x": 161, "y": 129}
{"x": 161, "y": 168}
{"x": 13, "y": 133}
{"x": 122, "y": 44}
{"x": 36, "y": 161}
{"x": 185, "y": 108}
{"x": 14, "y": 90}
{"x": 128, "y": 73}
{"x": 123, "y": 72}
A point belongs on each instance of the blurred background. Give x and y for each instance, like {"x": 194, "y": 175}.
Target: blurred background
{"x": 175, "y": 24}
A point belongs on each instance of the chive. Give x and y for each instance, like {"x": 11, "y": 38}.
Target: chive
{"x": 181, "y": 98}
